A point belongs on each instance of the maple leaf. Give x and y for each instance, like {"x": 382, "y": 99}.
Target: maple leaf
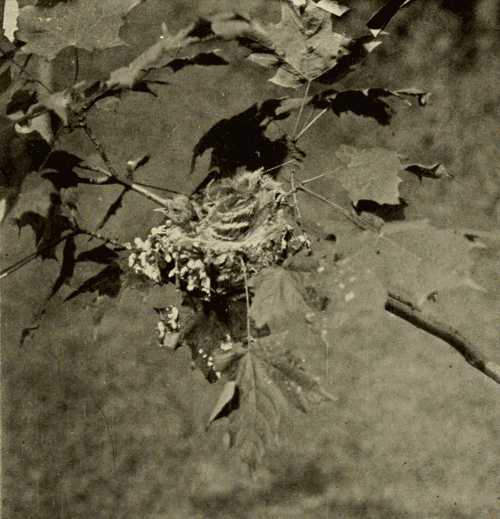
{"x": 304, "y": 47}
{"x": 370, "y": 174}
{"x": 418, "y": 259}
{"x": 85, "y": 24}
{"x": 269, "y": 377}
{"x": 276, "y": 298}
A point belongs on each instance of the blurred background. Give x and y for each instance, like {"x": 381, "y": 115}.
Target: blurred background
{"x": 98, "y": 422}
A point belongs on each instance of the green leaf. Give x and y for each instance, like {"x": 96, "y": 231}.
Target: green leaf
{"x": 277, "y": 299}
{"x": 370, "y": 174}
{"x": 85, "y": 24}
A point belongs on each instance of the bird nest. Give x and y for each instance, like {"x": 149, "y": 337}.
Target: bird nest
{"x": 210, "y": 242}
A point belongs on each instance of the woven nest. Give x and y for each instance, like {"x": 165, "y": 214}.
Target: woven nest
{"x": 212, "y": 240}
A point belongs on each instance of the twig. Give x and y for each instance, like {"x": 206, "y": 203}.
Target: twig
{"x": 279, "y": 166}
{"x": 313, "y": 121}
{"x": 301, "y": 110}
{"x": 113, "y": 174}
{"x": 362, "y": 224}
{"x": 427, "y": 322}
{"x": 6, "y": 272}
{"x": 105, "y": 239}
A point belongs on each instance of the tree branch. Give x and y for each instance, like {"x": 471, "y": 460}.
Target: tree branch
{"x": 430, "y": 324}
{"x": 424, "y": 320}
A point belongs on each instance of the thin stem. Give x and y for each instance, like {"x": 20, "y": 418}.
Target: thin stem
{"x": 6, "y": 272}
{"x": 312, "y": 179}
{"x": 100, "y": 150}
{"x": 313, "y": 121}
{"x": 76, "y": 72}
{"x": 294, "y": 197}
{"x": 279, "y": 166}
{"x": 247, "y": 299}
{"x": 113, "y": 174}
{"x": 103, "y": 238}
{"x": 152, "y": 186}
{"x": 356, "y": 221}
{"x": 301, "y": 110}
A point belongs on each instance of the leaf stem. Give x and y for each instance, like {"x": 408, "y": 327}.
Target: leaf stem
{"x": 311, "y": 123}
{"x": 247, "y": 300}
{"x": 301, "y": 110}
{"x": 279, "y": 166}
{"x": 294, "y": 196}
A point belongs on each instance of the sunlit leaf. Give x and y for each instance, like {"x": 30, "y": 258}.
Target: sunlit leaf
{"x": 370, "y": 174}
{"x": 85, "y": 24}
{"x": 277, "y": 299}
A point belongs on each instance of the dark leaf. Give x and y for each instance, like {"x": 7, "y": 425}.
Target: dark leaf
{"x": 107, "y": 282}
{"x": 21, "y": 101}
{"x": 67, "y": 265}
{"x": 367, "y": 103}
{"x": 384, "y": 15}
{"x": 113, "y": 208}
{"x": 59, "y": 169}
{"x": 242, "y": 141}
{"x": 434, "y": 171}
{"x": 34, "y": 220}
{"x": 48, "y": 224}
{"x": 101, "y": 254}
{"x": 356, "y": 51}
{"x": 226, "y": 400}
{"x": 203, "y": 59}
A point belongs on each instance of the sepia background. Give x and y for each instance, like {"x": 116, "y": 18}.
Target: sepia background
{"x": 98, "y": 422}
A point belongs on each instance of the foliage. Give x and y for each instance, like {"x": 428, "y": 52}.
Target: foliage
{"x": 243, "y": 260}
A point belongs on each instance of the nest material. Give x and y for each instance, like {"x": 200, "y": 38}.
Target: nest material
{"x": 209, "y": 240}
